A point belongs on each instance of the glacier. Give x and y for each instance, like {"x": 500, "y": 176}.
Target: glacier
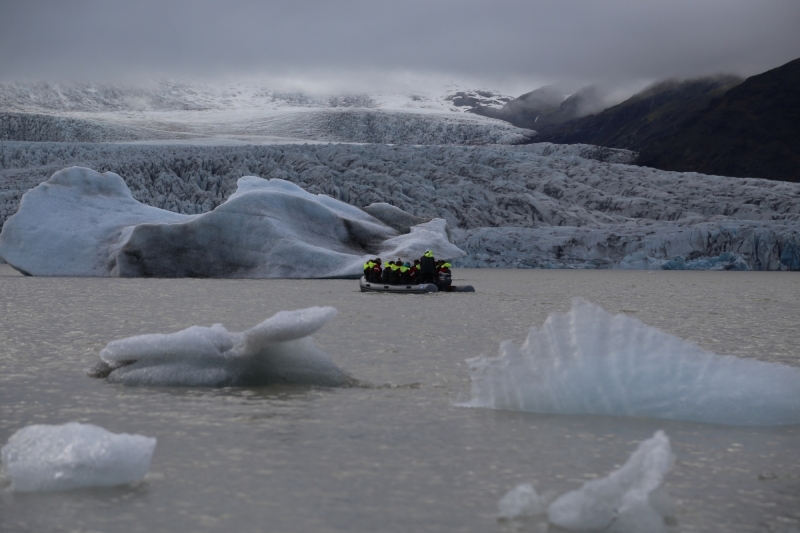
{"x": 49, "y": 458}
{"x": 83, "y": 223}
{"x": 279, "y": 350}
{"x": 629, "y": 500}
{"x": 587, "y": 361}
{"x": 533, "y": 206}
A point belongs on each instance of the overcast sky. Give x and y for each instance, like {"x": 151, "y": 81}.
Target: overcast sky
{"x": 497, "y": 43}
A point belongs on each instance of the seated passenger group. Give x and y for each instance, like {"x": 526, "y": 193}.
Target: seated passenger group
{"x": 426, "y": 269}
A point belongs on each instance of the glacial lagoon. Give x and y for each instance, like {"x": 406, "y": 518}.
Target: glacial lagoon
{"x": 396, "y": 453}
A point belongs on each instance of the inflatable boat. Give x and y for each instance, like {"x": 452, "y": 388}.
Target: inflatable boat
{"x": 422, "y": 288}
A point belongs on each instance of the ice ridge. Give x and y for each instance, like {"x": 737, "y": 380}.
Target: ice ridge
{"x": 48, "y": 458}
{"x": 279, "y": 350}
{"x": 587, "y": 361}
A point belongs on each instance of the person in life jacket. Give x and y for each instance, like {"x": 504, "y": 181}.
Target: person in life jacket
{"x": 414, "y": 272}
{"x": 427, "y": 268}
{"x": 444, "y": 276}
{"x": 394, "y": 273}
{"x": 375, "y": 274}
{"x": 405, "y": 273}
{"x": 368, "y": 266}
{"x": 385, "y": 273}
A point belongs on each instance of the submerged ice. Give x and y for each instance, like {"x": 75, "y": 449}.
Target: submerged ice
{"x": 82, "y": 223}
{"x": 278, "y": 350}
{"x": 587, "y": 361}
{"x": 626, "y": 501}
{"x": 48, "y": 458}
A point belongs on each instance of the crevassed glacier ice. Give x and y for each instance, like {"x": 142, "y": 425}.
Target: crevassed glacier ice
{"x": 82, "y": 223}
{"x": 622, "y": 501}
{"x": 531, "y": 206}
{"x": 278, "y": 350}
{"x": 587, "y": 361}
{"x": 46, "y": 458}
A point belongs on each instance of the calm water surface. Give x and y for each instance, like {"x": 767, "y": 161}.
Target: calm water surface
{"x": 399, "y": 456}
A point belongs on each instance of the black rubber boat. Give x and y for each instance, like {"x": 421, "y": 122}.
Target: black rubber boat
{"x": 422, "y": 288}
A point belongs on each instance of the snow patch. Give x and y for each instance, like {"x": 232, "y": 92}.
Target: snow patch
{"x": 587, "y": 361}
{"x": 48, "y": 458}
{"x": 278, "y": 350}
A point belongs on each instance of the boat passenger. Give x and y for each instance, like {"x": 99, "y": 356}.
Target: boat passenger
{"x": 385, "y": 274}
{"x": 405, "y": 273}
{"x": 444, "y": 276}
{"x": 414, "y": 272}
{"x": 427, "y": 268}
{"x": 394, "y": 273}
{"x": 375, "y": 273}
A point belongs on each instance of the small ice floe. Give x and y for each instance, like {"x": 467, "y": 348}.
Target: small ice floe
{"x": 625, "y": 501}
{"x": 587, "y": 361}
{"x": 48, "y": 458}
{"x": 521, "y": 502}
{"x": 278, "y": 350}
{"x": 629, "y": 500}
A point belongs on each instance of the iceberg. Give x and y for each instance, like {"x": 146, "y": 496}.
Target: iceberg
{"x": 521, "y": 502}
{"x": 587, "y": 361}
{"x": 625, "y": 501}
{"x": 49, "y": 458}
{"x": 278, "y": 350}
{"x": 629, "y": 500}
{"x": 82, "y": 223}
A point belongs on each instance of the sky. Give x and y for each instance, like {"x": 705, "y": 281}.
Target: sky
{"x": 516, "y": 45}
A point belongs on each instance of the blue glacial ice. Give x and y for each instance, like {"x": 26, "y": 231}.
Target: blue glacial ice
{"x": 629, "y": 500}
{"x": 48, "y": 458}
{"x": 278, "y": 350}
{"x": 83, "y": 223}
{"x": 587, "y": 361}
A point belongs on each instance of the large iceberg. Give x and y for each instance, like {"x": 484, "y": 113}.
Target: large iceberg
{"x": 587, "y": 361}
{"x": 278, "y": 350}
{"x": 47, "y": 458}
{"x": 628, "y": 500}
{"x": 82, "y": 223}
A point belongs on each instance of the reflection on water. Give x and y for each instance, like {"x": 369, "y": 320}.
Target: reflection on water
{"x": 400, "y": 457}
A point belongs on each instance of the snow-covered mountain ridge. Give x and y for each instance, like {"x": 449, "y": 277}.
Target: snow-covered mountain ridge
{"x": 538, "y": 205}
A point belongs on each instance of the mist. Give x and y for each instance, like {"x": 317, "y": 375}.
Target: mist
{"x": 358, "y": 45}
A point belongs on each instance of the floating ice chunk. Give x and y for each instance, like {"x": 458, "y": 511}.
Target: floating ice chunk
{"x": 588, "y": 361}
{"x": 279, "y": 350}
{"x": 82, "y": 223}
{"x": 621, "y": 501}
{"x": 45, "y": 458}
{"x": 520, "y": 502}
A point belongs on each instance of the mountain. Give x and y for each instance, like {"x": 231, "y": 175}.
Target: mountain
{"x": 549, "y": 105}
{"x": 753, "y": 130}
{"x": 656, "y": 111}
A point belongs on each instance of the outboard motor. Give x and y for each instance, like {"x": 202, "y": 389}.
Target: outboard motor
{"x": 444, "y": 280}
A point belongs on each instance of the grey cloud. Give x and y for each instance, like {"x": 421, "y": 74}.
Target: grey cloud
{"x": 549, "y": 40}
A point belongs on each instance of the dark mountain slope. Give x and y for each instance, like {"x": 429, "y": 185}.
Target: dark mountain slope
{"x": 548, "y": 105}
{"x": 752, "y": 130}
{"x": 657, "y": 111}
